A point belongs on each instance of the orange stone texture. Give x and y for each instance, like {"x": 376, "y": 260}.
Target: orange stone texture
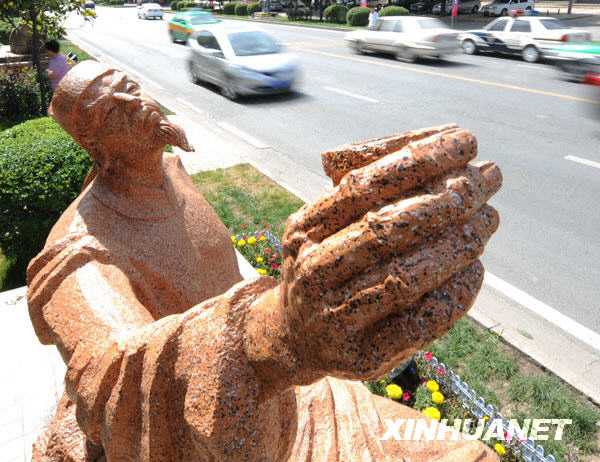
{"x": 172, "y": 357}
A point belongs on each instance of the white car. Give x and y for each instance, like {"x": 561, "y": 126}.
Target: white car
{"x": 506, "y": 7}
{"x": 241, "y": 60}
{"x": 532, "y": 37}
{"x": 406, "y": 37}
{"x": 464, "y": 6}
{"x": 150, "y": 11}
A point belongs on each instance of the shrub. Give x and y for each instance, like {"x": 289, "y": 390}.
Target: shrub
{"x": 229, "y": 8}
{"x": 5, "y": 30}
{"x": 393, "y": 11}
{"x": 175, "y": 6}
{"x": 41, "y": 172}
{"x": 358, "y": 16}
{"x": 241, "y": 9}
{"x": 21, "y": 96}
{"x": 335, "y": 13}
{"x": 254, "y": 8}
{"x": 294, "y": 14}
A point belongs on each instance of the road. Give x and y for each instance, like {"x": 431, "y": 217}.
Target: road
{"x": 525, "y": 118}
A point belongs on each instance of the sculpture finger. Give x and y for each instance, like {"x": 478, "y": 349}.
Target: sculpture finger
{"x": 391, "y": 178}
{"x": 394, "y": 339}
{"x": 399, "y": 226}
{"x": 397, "y": 284}
{"x": 341, "y": 160}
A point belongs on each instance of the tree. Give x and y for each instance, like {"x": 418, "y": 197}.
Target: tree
{"x": 45, "y": 18}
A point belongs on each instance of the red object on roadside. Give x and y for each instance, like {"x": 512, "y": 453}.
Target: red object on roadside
{"x": 593, "y": 79}
{"x": 455, "y": 10}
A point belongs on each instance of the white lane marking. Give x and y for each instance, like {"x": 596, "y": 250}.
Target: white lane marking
{"x": 580, "y": 332}
{"x": 351, "y": 95}
{"x": 190, "y": 106}
{"x": 581, "y": 160}
{"x": 243, "y": 135}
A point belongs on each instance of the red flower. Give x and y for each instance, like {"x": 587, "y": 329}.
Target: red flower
{"x": 267, "y": 251}
{"x": 274, "y": 266}
{"x": 440, "y": 371}
{"x": 405, "y": 396}
{"x": 428, "y": 356}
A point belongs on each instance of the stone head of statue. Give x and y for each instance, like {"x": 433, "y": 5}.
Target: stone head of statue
{"x": 111, "y": 117}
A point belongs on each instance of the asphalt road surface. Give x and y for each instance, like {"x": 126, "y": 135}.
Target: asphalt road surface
{"x": 525, "y": 118}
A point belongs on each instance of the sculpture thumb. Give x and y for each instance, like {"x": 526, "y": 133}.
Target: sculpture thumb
{"x": 174, "y": 134}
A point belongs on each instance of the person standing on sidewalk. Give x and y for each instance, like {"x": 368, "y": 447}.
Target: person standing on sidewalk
{"x": 57, "y": 63}
{"x": 373, "y": 17}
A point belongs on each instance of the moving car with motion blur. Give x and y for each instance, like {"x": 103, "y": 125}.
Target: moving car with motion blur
{"x": 241, "y": 60}
{"x": 464, "y": 7}
{"x": 531, "y": 37}
{"x": 577, "y": 61}
{"x": 406, "y": 37}
{"x": 150, "y": 11}
{"x": 507, "y": 7}
{"x": 184, "y": 24}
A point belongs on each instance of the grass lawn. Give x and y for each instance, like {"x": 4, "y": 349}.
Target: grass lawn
{"x": 66, "y": 47}
{"x": 518, "y": 387}
{"x": 246, "y": 199}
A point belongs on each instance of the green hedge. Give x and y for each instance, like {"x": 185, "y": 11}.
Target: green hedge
{"x": 336, "y": 13}
{"x": 254, "y": 8}
{"x": 21, "y": 97}
{"x": 175, "y": 6}
{"x": 5, "y": 30}
{"x": 241, "y": 9}
{"x": 229, "y": 8}
{"x": 41, "y": 172}
{"x": 294, "y": 14}
{"x": 358, "y": 16}
{"x": 393, "y": 11}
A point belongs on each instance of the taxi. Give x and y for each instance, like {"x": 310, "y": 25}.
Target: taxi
{"x": 185, "y": 23}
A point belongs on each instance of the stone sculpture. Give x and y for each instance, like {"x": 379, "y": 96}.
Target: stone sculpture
{"x": 171, "y": 358}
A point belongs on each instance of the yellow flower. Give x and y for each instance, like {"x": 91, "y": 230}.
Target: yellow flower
{"x": 393, "y": 391}
{"x": 486, "y": 418}
{"x": 233, "y": 239}
{"x": 259, "y": 259}
{"x": 432, "y": 386}
{"x": 251, "y": 240}
{"x": 241, "y": 243}
{"x": 262, "y": 271}
{"x": 437, "y": 397}
{"x": 432, "y": 413}
{"x": 501, "y": 450}
{"x": 262, "y": 238}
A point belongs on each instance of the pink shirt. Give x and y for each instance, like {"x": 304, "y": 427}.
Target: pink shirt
{"x": 59, "y": 66}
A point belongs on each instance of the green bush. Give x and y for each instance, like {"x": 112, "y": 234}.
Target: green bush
{"x": 393, "y": 11}
{"x": 358, "y": 16}
{"x": 335, "y": 13}
{"x": 294, "y": 14}
{"x": 21, "y": 96}
{"x": 41, "y": 172}
{"x": 254, "y": 8}
{"x": 241, "y": 9}
{"x": 229, "y": 8}
{"x": 5, "y": 30}
{"x": 175, "y": 6}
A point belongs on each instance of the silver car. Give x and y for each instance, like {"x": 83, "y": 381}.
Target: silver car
{"x": 241, "y": 61}
{"x": 407, "y": 38}
{"x": 464, "y": 6}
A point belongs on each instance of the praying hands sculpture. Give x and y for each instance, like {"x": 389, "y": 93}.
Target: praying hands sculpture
{"x": 171, "y": 357}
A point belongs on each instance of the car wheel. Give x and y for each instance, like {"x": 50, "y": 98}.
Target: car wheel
{"x": 469, "y": 47}
{"x": 504, "y": 12}
{"x": 173, "y": 38}
{"x": 531, "y": 54}
{"x": 359, "y": 47}
{"x": 228, "y": 90}
{"x": 406, "y": 54}
{"x": 528, "y": 8}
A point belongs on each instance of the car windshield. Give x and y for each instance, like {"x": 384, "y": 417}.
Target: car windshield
{"x": 430, "y": 24}
{"x": 252, "y": 43}
{"x": 553, "y": 24}
{"x": 202, "y": 19}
